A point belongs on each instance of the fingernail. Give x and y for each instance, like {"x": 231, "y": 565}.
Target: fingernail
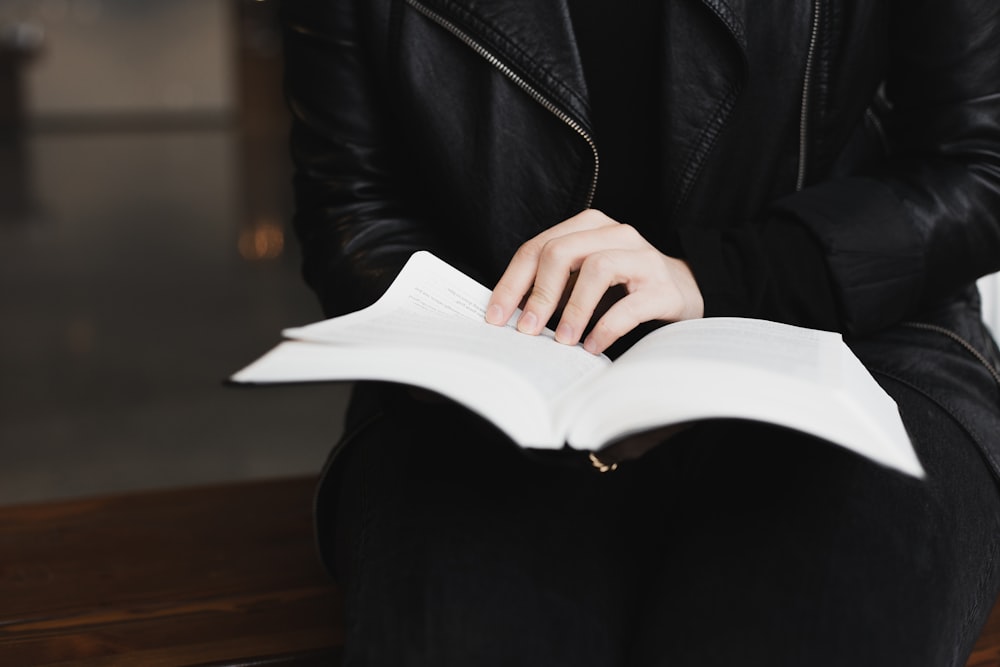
{"x": 564, "y": 333}
{"x": 527, "y": 323}
{"x": 494, "y": 314}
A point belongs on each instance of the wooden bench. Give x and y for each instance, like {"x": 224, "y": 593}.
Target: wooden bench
{"x": 220, "y": 575}
{"x": 214, "y": 576}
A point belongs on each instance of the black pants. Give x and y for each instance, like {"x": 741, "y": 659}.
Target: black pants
{"x": 732, "y": 544}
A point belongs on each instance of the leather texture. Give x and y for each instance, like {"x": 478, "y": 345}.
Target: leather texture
{"x": 461, "y": 126}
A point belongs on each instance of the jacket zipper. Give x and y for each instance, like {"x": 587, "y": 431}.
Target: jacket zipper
{"x": 994, "y": 372}
{"x": 803, "y": 159}
{"x": 568, "y": 120}
{"x": 519, "y": 81}
{"x": 806, "y": 84}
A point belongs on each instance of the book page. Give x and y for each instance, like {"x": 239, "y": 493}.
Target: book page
{"x": 429, "y": 330}
{"x": 800, "y": 378}
{"x": 431, "y": 305}
{"x": 476, "y": 382}
{"x": 425, "y": 287}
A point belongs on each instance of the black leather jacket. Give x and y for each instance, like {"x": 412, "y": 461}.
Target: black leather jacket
{"x": 462, "y": 126}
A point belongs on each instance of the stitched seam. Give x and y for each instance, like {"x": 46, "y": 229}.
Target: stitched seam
{"x": 969, "y": 429}
{"x": 536, "y": 74}
{"x": 966, "y": 345}
{"x": 727, "y": 16}
{"x": 703, "y": 146}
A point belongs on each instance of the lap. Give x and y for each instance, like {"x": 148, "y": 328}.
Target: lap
{"x": 778, "y": 543}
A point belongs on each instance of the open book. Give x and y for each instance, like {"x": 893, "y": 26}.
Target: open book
{"x": 428, "y": 330}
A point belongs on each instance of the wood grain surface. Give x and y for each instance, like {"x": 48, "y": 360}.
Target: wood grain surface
{"x": 219, "y": 575}
{"x": 213, "y": 576}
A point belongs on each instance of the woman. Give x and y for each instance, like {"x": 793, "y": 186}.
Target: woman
{"x": 614, "y": 166}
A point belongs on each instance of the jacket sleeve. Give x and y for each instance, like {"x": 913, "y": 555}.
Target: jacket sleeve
{"x": 925, "y": 222}
{"x": 354, "y": 218}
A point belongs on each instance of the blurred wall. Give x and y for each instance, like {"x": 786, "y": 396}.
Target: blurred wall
{"x": 124, "y": 57}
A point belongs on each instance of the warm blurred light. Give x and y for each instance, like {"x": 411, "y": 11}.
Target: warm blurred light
{"x": 264, "y": 240}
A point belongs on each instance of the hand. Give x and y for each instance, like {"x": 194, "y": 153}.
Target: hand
{"x": 577, "y": 261}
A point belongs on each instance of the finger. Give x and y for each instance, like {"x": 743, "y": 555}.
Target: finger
{"x": 665, "y": 290}
{"x": 586, "y": 219}
{"x": 519, "y": 277}
{"x": 558, "y": 260}
{"x": 598, "y": 273}
{"x": 511, "y": 289}
{"x": 623, "y": 316}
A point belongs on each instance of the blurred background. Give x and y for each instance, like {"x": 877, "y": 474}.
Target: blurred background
{"x": 145, "y": 251}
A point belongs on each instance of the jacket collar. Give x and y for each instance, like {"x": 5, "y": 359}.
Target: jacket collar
{"x": 535, "y": 40}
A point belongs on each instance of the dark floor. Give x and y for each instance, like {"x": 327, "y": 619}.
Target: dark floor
{"x": 139, "y": 268}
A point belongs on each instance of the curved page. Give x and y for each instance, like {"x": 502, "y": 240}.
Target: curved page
{"x": 799, "y": 378}
{"x": 429, "y": 330}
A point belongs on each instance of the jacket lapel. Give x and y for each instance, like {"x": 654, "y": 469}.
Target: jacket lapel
{"x": 700, "y": 85}
{"x": 532, "y": 37}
